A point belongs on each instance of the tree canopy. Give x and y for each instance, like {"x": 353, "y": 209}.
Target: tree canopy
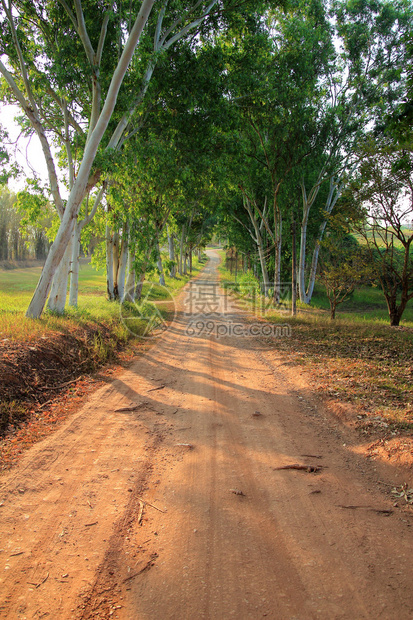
{"x": 163, "y": 119}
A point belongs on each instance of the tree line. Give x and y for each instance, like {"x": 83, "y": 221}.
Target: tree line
{"x": 20, "y": 240}
{"x": 277, "y": 123}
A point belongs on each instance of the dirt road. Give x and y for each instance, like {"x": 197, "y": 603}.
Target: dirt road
{"x": 165, "y": 496}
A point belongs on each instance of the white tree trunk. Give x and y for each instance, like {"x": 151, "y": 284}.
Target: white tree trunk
{"x": 139, "y": 285}
{"x": 314, "y": 261}
{"x": 277, "y": 257}
{"x": 74, "y": 267}
{"x": 160, "y": 264}
{"x": 115, "y": 263}
{"x": 123, "y": 262}
{"x": 171, "y": 249}
{"x": 260, "y": 246}
{"x": 130, "y": 281}
{"x": 58, "y": 293}
{"x": 181, "y": 251}
{"x": 109, "y": 264}
{"x": 334, "y": 194}
{"x": 303, "y": 249}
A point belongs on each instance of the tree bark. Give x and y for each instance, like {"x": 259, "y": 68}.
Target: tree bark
{"x": 171, "y": 249}
{"x": 181, "y": 251}
{"x": 74, "y": 267}
{"x": 58, "y": 293}
{"x": 277, "y": 259}
{"x": 123, "y": 262}
{"x": 260, "y": 246}
{"x": 130, "y": 281}
{"x": 109, "y": 264}
{"x": 294, "y": 272}
{"x": 159, "y": 263}
{"x": 333, "y": 195}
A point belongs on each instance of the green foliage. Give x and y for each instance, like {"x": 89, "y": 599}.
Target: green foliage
{"x": 344, "y": 265}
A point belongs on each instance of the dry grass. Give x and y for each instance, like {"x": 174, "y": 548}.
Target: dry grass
{"x": 357, "y": 359}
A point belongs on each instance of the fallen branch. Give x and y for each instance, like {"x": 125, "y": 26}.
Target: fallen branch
{"x": 127, "y": 408}
{"x": 57, "y": 387}
{"x": 160, "y": 387}
{"x": 308, "y": 468}
{"x": 312, "y": 456}
{"x": 151, "y": 505}
{"x": 147, "y": 566}
{"x": 142, "y": 506}
{"x": 381, "y": 511}
{"x": 37, "y": 585}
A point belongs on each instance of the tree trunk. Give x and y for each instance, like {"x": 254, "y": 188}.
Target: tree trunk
{"x": 294, "y": 272}
{"x": 259, "y": 240}
{"x": 141, "y": 279}
{"x": 171, "y": 249}
{"x": 74, "y": 268}
{"x": 303, "y": 248}
{"x": 130, "y": 281}
{"x": 190, "y": 260}
{"x": 115, "y": 263}
{"x": 395, "y": 319}
{"x": 277, "y": 263}
{"x": 109, "y": 264}
{"x": 139, "y": 285}
{"x": 123, "y": 262}
{"x": 159, "y": 263}
{"x": 181, "y": 251}
{"x": 314, "y": 264}
{"x": 58, "y": 293}
{"x": 395, "y": 312}
{"x": 333, "y": 195}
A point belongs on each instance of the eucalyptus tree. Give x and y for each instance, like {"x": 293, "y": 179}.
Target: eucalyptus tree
{"x": 363, "y": 84}
{"x": 65, "y": 64}
{"x": 274, "y": 77}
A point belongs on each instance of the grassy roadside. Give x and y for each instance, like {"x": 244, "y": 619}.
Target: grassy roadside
{"x": 47, "y": 365}
{"x": 355, "y": 360}
{"x": 17, "y": 286}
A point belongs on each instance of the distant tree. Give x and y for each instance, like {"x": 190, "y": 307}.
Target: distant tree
{"x": 385, "y": 188}
{"x": 23, "y": 232}
{"x": 343, "y": 266}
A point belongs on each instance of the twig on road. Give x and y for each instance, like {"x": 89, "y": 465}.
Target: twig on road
{"x": 380, "y": 511}
{"x": 308, "y": 468}
{"x": 151, "y": 505}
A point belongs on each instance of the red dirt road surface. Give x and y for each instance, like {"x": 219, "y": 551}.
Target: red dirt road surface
{"x": 170, "y": 495}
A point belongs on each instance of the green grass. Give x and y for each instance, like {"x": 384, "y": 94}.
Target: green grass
{"x": 17, "y": 287}
{"x": 366, "y": 304}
